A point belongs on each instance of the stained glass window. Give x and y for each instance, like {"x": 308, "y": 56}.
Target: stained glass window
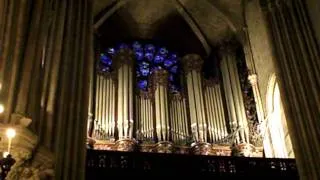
{"x": 148, "y": 58}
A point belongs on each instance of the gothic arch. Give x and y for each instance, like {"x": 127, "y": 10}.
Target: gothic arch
{"x": 277, "y": 142}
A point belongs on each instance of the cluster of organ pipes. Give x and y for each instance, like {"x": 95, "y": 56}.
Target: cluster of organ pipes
{"x": 217, "y": 128}
{"x": 144, "y": 112}
{"x": 105, "y": 107}
{"x": 155, "y": 114}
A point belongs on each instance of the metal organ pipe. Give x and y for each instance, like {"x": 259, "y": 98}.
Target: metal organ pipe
{"x": 192, "y": 66}
{"x": 160, "y": 81}
{"x": 233, "y": 93}
{"x": 124, "y": 59}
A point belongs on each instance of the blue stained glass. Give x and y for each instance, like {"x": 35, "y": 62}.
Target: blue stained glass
{"x": 163, "y": 51}
{"x": 111, "y": 51}
{"x": 173, "y": 56}
{"x": 149, "y": 56}
{"x": 149, "y": 48}
{"x": 138, "y": 73}
{"x": 171, "y": 77}
{"x": 142, "y": 84}
{"x": 167, "y": 63}
{"x": 139, "y": 55}
{"x": 158, "y": 59}
{"x": 105, "y": 59}
{"x": 144, "y": 71}
{"x": 144, "y": 64}
{"x": 136, "y": 45}
{"x": 123, "y": 46}
{"x": 174, "y": 69}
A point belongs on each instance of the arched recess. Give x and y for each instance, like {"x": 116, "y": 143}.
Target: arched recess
{"x": 276, "y": 142}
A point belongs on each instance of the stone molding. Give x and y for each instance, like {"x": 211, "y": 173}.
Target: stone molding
{"x": 33, "y": 161}
{"x": 192, "y": 62}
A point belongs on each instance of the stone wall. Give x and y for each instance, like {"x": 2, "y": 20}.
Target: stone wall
{"x": 261, "y": 47}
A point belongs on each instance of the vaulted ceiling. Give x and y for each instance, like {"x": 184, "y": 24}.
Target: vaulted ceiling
{"x": 188, "y": 25}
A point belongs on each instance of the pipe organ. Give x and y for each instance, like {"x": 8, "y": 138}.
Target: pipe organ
{"x": 158, "y": 117}
{"x": 217, "y": 129}
{"x": 179, "y": 118}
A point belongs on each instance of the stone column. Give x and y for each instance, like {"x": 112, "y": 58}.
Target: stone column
{"x": 253, "y": 78}
{"x": 124, "y": 60}
{"x": 234, "y": 98}
{"x": 47, "y": 54}
{"x": 160, "y": 87}
{"x": 298, "y": 69}
{"x": 192, "y": 64}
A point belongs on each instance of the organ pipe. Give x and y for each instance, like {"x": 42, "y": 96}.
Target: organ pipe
{"x": 160, "y": 82}
{"x": 234, "y": 97}
{"x": 145, "y": 114}
{"x": 178, "y": 118}
{"x": 124, "y": 60}
{"x": 215, "y": 112}
{"x": 192, "y": 66}
{"x": 104, "y": 110}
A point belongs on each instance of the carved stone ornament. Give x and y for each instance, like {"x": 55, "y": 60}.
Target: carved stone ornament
{"x": 32, "y": 161}
{"x": 164, "y": 147}
{"x": 244, "y": 149}
{"x": 201, "y": 148}
{"x": 127, "y": 145}
{"x": 253, "y": 79}
{"x": 210, "y": 82}
{"x": 146, "y": 94}
{"x": 160, "y": 77}
{"x": 192, "y": 62}
{"x": 124, "y": 56}
{"x": 176, "y": 96}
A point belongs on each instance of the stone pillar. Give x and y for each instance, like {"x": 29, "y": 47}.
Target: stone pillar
{"x": 253, "y": 78}
{"x": 298, "y": 69}
{"x": 47, "y": 54}
{"x": 124, "y": 60}
{"x": 160, "y": 87}
{"x": 234, "y": 98}
{"x": 192, "y": 64}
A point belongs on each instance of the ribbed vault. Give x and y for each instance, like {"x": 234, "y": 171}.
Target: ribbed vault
{"x": 185, "y": 25}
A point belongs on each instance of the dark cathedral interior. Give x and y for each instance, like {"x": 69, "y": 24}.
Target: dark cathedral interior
{"x": 95, "y": 89}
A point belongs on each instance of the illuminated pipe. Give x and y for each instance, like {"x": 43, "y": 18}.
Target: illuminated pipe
{"x": 100, "y": 104}
{"x": 213, "y": 113}
{"x": 96, "y": 107}
{"x": 209, "y": 111}
{"x": 204, "y": 123}
{"x": 179, "y": 120}
{"x": 218, "y": 127}
{"x": 221, "y": 110}
{"x": 193, "y": 116}
{"x": 186, "y": 126}
{"x": 113, "y": 109}
{"x": 104, "y": 103}
{"x": 166, "y": 110}
{"x": 192, "y": 66}
{"x": 160, "y": 82}
{"x": 175, "y": 119}
{"x": 124, "y": 59}
{"x": 229, "y": 99}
